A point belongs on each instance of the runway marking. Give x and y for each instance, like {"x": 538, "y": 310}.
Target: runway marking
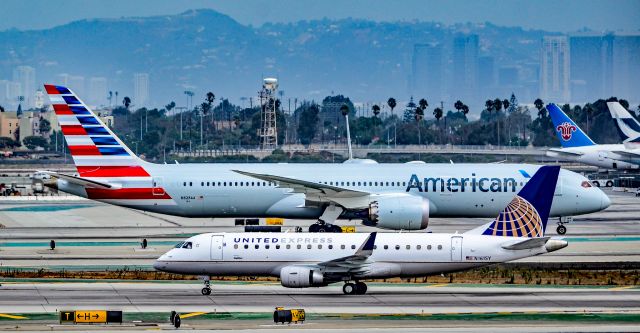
{"x": 621, "y": 288}
{"x": 193, "y": 314}
{"x": 4, "y": 315}
{"x": 437, "y": 285}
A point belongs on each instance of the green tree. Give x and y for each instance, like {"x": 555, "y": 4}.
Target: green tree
{"x": 376, "y": 110}
{"x": 126, "y": 101}
{"x": 308, "y": 123}
{"x": 44, "y": 126}
{"x": 539, "y": 104}
{"x": 423, "y": 104}
{"x": 391, "y": 102}
{"x": 6, "y": 142}
{"x": 35, "y": 141}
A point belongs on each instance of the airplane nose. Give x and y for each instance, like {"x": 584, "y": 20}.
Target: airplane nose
{"x": 604, "y": 201}
{"x": 159, "y": 265}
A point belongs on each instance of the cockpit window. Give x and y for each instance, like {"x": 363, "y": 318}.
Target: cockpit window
{"x": 187, "y": 245}
{"x": 586, "y": 184}
{"x": 179, "y": 245}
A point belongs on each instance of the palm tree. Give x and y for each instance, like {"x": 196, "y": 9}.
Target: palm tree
{"x": 126, "y": 101}
{"x": 423, "y": 104}
{"x": 419, "y": 115}
{"x": 506, "y": 104}
{"x": 458, "y": 105}
{"x": 392, "y": 103}
{"x": 376, "y": 110}
{"x": 539, "y": 104}
{"x": 465, "y": 109}
{"x": 489, "y": 105}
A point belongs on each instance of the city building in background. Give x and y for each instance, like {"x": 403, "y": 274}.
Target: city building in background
{"x": 426, "y": 71}
{"x": 554, "y": 69}
{"x": 141, "y": 89}
{"x": 25, "y": 76}
{"x": 98, "y": 91}
{"x": 465, "y": 66}
{"x": 626, "y": 64}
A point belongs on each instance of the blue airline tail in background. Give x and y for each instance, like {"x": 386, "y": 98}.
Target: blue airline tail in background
{"x": 569, "y": 134}
{"x": 527, "y": 214}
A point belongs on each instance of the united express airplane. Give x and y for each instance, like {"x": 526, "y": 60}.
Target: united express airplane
{"x": 391, "y": 196}
{"x": 304, "y": 260}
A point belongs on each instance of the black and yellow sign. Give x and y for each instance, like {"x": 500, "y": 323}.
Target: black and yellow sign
{"x": 67, "y": 316}
{"x": 91, "y": 316}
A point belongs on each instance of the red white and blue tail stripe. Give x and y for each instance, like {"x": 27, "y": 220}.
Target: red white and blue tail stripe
{"x": 101, "y": 156}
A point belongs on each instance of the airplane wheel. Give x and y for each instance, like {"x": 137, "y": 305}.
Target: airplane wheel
{"x": 314, "y": 227}
{"x": 349, "y": 288}
{"x": 361, "y": 288}
{"x": 206, "y": 291}
{"x": 335, "y": 228}
{"x": 561, "y": 230}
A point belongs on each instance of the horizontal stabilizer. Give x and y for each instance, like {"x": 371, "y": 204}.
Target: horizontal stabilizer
{"x": 530, "y": 243}
{"x": 79, "y": 180}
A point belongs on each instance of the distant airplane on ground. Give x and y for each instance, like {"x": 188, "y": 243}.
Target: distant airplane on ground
{"x": 303, "y": 260}
{"x": 628, "y": 127}
{"x": 577, "y": 146}
{"x": 391, "y": 196}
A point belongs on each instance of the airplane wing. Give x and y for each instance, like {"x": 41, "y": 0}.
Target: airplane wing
{"x": 354, "y": 264}
{"x": 307, "y": 187}
{"x": 627, "y": 153}
{"x": 530, "y": 243}
{"x": 561, "y": 151}
{"x": 78, "y": 180}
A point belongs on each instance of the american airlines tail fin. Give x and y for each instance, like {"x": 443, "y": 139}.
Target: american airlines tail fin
{"x": 97, "y": 152}
{"x": 569, "y": 134}
{"x": 628, "y": 126}
{"x": 527, "y": 214}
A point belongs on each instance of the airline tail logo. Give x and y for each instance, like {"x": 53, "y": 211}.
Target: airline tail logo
{"x": 519, "y": 219}
{"x": 566, "y": 130}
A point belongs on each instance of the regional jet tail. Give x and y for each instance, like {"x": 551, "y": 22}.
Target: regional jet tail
{"x": 578, "y": 146}
{"x": 628, "y": 126}
{"x": 303, "y": 260}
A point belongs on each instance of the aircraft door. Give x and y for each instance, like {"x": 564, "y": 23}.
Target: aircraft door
{"x": 157, "y": 188}
{"x": 216, "y": 247}
{"x": 456, "y": 248}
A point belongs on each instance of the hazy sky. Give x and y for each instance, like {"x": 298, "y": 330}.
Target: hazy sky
{"x": 551, "y": 15}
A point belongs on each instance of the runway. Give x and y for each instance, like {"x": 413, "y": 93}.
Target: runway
{"x": 24, "y": 297}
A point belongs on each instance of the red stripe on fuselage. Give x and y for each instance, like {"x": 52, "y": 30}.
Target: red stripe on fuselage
{"x": 84, "y": 150}
{"x": 51, "y": 89}
{"x": 73, "y": 130}
{"x": 126, "y": 193}
{"x": 112, "y": 171}
{"x": 62, "y": 109}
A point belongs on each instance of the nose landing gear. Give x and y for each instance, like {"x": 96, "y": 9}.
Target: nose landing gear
{"x": 207, "y": 287}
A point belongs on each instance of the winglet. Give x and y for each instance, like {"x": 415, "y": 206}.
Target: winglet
{"x": 366, "y": 249}
{"x": 569, "y": 133}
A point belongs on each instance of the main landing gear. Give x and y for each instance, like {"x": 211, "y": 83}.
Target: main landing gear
{"x": 207, "y": 287}
{"x": 329, "y": 215}
{"x": 561, "y": 229}
{"x": 358, "y": 288}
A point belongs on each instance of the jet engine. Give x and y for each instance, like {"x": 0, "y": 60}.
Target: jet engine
{"x": 406, "y": 212}
{"x": 301, "y": 277}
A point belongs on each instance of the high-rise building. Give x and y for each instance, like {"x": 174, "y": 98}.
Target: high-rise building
{"x": 465, "y": 67}
{"x": 98, "y": 91}
{"x": 554, "y": 69}
{"x": 590, "y": 71}
{"x": 26, "y": 76}
{"x": 486, "y": 77}
{"x": 141, "y": 89}
{"x": 626, "y": 66}
{"x": 426, "y": 71}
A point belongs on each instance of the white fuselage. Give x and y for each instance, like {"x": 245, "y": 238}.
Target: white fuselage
{"x": 394, "y": 254}
{"x": 215, "y": 190}
{"x": 602, "y": 156}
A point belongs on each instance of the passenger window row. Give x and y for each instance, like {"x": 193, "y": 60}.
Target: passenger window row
{"x": 221, "y": 184}
{"x": 330, "y": 246}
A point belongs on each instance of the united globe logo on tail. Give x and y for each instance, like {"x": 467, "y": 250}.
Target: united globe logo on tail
{"x": 518, "y": 219}
{"x": 566, "y": 130}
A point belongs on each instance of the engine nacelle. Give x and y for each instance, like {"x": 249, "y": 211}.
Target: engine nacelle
{"x": 399, "y": 212}
{"x": 300, "y": 277}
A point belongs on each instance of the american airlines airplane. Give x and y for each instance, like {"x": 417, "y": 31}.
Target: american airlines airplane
{"x": 390, "y": 196}
{"x": 304, "y": 260}
{"x": 577, "y": 146}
